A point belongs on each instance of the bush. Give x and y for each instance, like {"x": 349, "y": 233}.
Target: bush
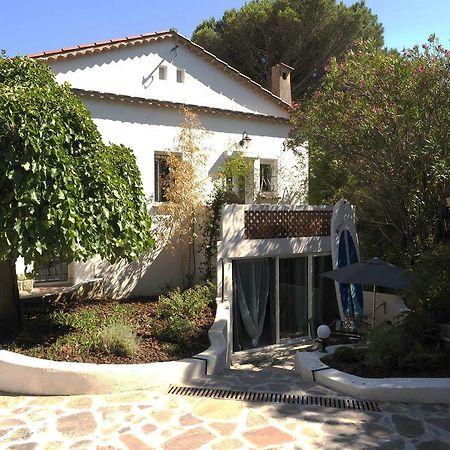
{"x": 349, "y": 354}
{"x": 430, "y": 296}
{"x": 386, "y": 345}
{"x": 178, "y": 311}
{"x": 413, "y": 343}
{"x": 119, "y": 339}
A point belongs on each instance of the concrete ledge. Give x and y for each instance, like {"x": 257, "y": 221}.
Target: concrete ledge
{"x": 216, "y": 355}
{"x": 20, "y": 374}
{"x": 407, "y": 390}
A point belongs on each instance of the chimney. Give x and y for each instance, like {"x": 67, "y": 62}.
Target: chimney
{"x": 281, "y": 81}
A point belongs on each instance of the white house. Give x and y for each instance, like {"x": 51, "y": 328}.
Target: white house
{"x": 134, "y": 87}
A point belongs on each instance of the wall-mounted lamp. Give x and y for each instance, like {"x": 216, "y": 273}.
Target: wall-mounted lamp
{"x": 245, "y": 141}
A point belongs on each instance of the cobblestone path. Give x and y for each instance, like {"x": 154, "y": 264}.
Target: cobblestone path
{"x": 156, "y": 420}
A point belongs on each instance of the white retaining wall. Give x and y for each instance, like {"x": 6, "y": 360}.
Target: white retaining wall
{"x": 407, "y": 390}
{"x": 20, "y": 374}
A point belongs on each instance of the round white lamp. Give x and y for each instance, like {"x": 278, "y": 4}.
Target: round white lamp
{"x": 323, "y": 333}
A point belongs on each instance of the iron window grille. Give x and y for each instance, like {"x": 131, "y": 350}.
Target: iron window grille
{"x": 55, "y": 270}
{"x": 266, "y": 183}
{"x": 161, "y": 178}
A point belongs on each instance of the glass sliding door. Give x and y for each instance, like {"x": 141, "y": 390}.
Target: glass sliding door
{"x": 293, "y": 297}
{"x": 270, "y": 301}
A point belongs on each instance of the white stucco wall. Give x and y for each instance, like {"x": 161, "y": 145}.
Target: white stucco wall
{"x": 233, "y": 244}
{"x": 147, "y": 130}
{"x": 134, "y": 71}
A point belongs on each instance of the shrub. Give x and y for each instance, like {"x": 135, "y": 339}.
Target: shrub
{"x": 430, "y": 296}
{"x": 119, "y": 339}
{"x": 413, "y": 343}
{"x": 179, "y": 309}
{"x": 349, "y": 354}
{"x": 386, "y": 345}
{"x": 187, "y": 304}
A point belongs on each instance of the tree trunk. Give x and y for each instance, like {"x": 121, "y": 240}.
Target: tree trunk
{"x": 10, "y": 313}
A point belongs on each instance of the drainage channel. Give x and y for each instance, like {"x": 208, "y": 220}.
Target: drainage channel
{"x": 270, "y": 397}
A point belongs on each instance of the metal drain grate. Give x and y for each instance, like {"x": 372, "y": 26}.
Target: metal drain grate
{"x": 270, "y": 397}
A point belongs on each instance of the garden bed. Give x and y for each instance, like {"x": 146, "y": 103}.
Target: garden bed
{"x": 352, "y": 360}
{"x": 79, "y": 331}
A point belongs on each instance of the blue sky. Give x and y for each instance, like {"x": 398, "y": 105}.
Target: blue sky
{"x": 29, "y": 26}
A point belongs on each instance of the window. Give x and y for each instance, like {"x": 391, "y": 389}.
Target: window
{"x": 180, "y": 76}
{"x": 163, "y": 72}
{"x": 265, "y": 178}
{"x": 55, "y": 270}
{"x": 161, "y": 178}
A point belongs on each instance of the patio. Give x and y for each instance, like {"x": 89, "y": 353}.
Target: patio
{"x": 156, "y": 419}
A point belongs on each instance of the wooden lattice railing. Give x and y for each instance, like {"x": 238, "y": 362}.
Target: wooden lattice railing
{"x": 285, "y": 224}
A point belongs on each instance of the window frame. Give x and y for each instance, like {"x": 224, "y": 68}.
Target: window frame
{"x": 161, "y": 176}
{"x": 273, "y": 189}
{"x": 181, "y": 75}
{"x": 162, "y": 72}
{"x": 266, "y": 184}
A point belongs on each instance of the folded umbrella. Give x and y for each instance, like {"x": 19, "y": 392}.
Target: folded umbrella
{"x": 374, "y": 271}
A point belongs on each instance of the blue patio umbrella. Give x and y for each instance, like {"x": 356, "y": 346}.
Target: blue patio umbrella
{"x": 374, "y": 271}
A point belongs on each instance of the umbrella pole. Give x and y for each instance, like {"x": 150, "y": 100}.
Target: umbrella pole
{"x": 373, "y": 304}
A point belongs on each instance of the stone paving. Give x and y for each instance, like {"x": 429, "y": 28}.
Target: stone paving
{"x": 154, "y": 419}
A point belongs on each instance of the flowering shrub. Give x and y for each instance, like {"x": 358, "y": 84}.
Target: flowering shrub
{"x": 379, "y": 134}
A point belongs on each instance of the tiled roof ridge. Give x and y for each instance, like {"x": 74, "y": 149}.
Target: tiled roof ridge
{"x": 170, "y": 104}
{"x": 147, "y": 37}
{"x": 105, "y": 43}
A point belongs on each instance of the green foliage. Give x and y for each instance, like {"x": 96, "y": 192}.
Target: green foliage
{"x": 430, "y": 294}
{"x": 235, "y": 166}
{"x": 179, "y": 309}
{"x": 211, "y": 230}
{"x": 387, "y": 344}
{"x": 412, "y": 344}
{"x": 118, "y": 338}
{"x": 231, "y": 178}
{"x": 349, "y": 354}
{"x": 303, "y": 34}
{"x": 391, "y": 349}
{"x": 64, "y": 193}
{"x": 379, "y": 134}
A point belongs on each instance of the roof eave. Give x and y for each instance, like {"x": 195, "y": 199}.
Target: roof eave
{"x": 176, "y": 105}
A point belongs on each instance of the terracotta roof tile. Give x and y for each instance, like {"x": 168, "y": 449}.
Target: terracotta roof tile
{"x": 137, "y": 36}
{"x": 102, "y": 42}
{"x": 53, "y": 52}
{"x": 81, "y": 46}
{"x": 34, "y": 55}
{"x": 98, "y": 44}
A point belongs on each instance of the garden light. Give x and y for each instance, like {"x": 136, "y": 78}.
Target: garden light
{"x": 323, "y": 332}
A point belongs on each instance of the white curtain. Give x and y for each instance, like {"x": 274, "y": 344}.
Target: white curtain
{"x": 252, "y": 292}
